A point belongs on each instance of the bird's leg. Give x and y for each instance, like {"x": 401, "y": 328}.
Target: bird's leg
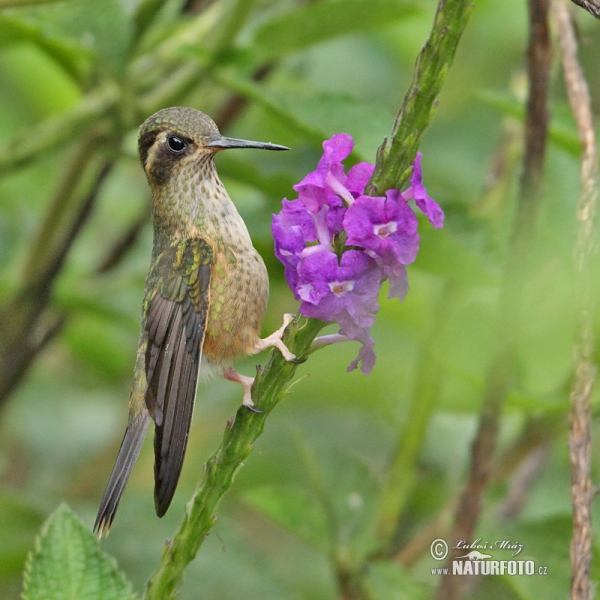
{"x": 246, "y": 382}
{"x": 275, "y": 340}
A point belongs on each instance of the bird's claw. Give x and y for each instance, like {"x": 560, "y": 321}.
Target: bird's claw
{"x": 254, "y": 409}
{"x": 299, "y": 361}
{"x": 275, "y": 340}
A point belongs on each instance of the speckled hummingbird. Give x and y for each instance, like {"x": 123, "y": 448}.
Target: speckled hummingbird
{"x": 204, "y": 300}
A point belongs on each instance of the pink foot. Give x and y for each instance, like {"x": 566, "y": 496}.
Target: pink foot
{"x": 246, "y": 382}
{"x": 275, "y": 340}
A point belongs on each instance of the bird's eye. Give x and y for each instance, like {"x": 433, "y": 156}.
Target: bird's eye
{"x": 176, "y": 144}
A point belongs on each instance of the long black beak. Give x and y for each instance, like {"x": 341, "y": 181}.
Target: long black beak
{"x": 224, "y": 143}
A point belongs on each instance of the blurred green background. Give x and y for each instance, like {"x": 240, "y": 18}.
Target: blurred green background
{"x": 76, "y": 79}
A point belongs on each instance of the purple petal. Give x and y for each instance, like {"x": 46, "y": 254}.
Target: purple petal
{"x": 338, "y": 147}
{"x": 398, "y": 278}
{"x": 335, "y": 150}
{"x": 289, "y": 243}
{"x": 318, "y": 266}
{"x": 294, "y": 213}
{"x": 345, "y": 291}
{"x": 427, "y": 205}
{"x": 366, "y": 356}
{"x": 358, "y": 177}
{"x": 384, "y": 226}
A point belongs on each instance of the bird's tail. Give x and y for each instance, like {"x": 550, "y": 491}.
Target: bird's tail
{"x": 128, "y": 453}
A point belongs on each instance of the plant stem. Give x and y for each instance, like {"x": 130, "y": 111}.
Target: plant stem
{"x": 402, "y": 469}
{"x": 502, "y": 369}
{"x": 270, "y": 387}
{"x": 582, "y": 491}
{"x": 21, "y": 149}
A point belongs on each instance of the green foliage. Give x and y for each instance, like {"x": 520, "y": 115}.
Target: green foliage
{"x": 67, "y": 563}
{"x": 19, "y": 523}
{"x": 323, "y": 480}
{"x": 319, "y": 21}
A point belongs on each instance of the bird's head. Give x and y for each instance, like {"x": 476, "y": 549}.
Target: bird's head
{"x": 180, "y": 135}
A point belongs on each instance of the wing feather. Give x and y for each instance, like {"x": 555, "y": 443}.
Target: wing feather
{"x": 176, "y": 324}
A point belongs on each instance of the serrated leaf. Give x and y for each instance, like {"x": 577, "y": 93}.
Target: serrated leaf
{"x": 67, "y": 564}
{"x": 315, "y": 22}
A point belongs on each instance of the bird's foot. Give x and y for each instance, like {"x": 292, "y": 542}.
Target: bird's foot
{"x": 246, "y": 382}
{"x": 275, "y": 340}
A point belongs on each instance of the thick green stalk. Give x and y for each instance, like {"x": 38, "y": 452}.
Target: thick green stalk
{"x": 270, "y": 387}
{"x": 397, "y": 153}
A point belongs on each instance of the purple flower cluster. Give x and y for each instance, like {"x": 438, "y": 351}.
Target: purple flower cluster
{"x": 338, "y": 245}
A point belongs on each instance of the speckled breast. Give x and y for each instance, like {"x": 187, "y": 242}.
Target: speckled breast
{"x": 239, "y": 292}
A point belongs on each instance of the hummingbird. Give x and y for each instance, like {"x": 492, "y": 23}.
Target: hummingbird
{"x": 204, "y": 300}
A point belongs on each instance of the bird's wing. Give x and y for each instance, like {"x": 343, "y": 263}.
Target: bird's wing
{"x": 176, "y": 321}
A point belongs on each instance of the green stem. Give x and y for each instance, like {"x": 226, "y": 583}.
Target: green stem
{"x": 397, "y": 153}
{"x": 13, "y": 3}
{"x": 270, "y": 387}
{"x": 254, "y": 92}
{"x": 205, "y": 37}
{"x": 171, "y": 90}
{"x": 61, "y": 204}
{"x": 57, "y": 130}
{"x": 235, "y": 16}
{"x": 402, "y": 469}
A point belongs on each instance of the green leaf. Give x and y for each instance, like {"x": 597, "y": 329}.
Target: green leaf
{"x": 295, "y": 509}
{"x": 102, "y": 345}
{"x": 67, "y": 564}
{"x": 562, "y": 131}
{"x": 331, "y": 113}
{"x": 14, "y": 28}
{"x": 449, "y": 255}
{"x": 546, "y": 543}
{"x": 389, "y": 581}
{"x": 13, "y": 3}
{"x": 315, "y": 22}
{"x": 101, "y": 30}
{"x": 317, "y": 116}
{"x": 19, "y": 523}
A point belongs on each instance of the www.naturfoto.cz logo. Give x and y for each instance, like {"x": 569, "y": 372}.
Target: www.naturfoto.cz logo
{"x": 479, "y": 560}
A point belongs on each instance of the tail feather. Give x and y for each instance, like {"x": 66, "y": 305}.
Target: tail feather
{"x": 170, "y": 438}
{"x": 128, "y": 453}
